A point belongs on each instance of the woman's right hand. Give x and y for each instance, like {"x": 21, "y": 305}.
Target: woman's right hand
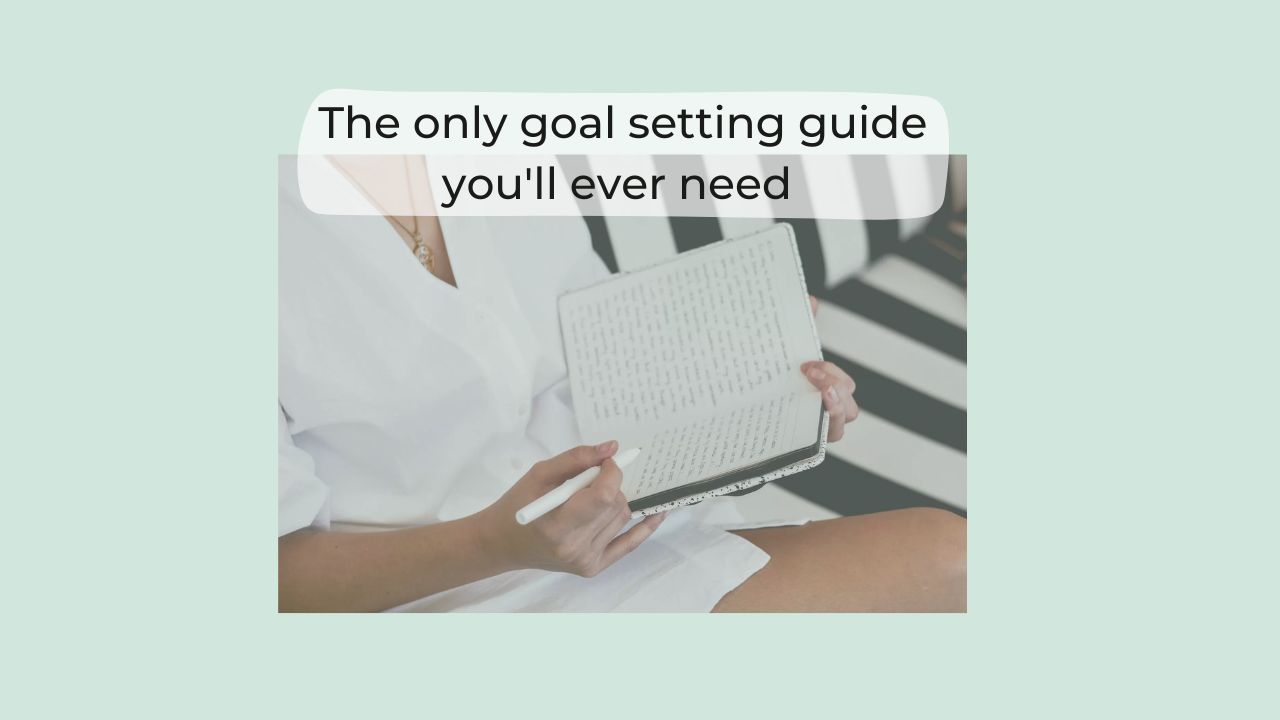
{"x": 579, "y": 537}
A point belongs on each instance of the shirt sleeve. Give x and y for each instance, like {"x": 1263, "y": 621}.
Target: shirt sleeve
{"x": 304, "y": 498}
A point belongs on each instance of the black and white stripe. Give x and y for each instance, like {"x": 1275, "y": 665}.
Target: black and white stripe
{"x": 896, "y": 327}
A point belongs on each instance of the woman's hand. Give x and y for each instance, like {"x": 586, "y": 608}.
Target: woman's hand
{"x": 579, "y": 537}
{"x": 837, "y": 394}
{"x": 343, "y": 572}
{"x": 837, "y": 389}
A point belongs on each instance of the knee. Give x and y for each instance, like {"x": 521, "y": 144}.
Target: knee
{"x": 943, "y": 544}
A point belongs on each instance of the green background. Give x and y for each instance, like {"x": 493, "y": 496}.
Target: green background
{"x": 1122, "y": 477}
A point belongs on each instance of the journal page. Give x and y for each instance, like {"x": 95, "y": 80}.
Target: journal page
{"x": 723, "y": 443}
{"x": 716, "y": 329}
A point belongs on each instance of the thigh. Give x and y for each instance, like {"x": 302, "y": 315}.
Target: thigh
{"x": 899, "y": 561}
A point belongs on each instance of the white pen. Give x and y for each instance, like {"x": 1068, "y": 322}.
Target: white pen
{"x": 560, "y": 495}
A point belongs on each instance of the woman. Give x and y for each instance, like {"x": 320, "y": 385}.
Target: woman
{"x": 423, "y": 400}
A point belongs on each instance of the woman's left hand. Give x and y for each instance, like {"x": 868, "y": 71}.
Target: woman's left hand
{"x": 837, "y": 394}
{"x": 836, "y": 387}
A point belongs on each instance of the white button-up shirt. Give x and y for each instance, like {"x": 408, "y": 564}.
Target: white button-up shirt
{"x": 404, "y": 400}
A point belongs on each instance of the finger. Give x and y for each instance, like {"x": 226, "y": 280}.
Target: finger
{"x": 571, "y": 462}
{"x": 834, "y": 372}
{"x": 843, "y": 379}
{"x": 818, "y": 377}
{"x": 593, "y": 507}
{"x": 843, "y": 386}
{"x": 615, "y": 525}
{"x": 608, "y": 493}
{"x": 609, "y": 482}
{"x": 631, "y": 539}
{"x": 835, "y": 407}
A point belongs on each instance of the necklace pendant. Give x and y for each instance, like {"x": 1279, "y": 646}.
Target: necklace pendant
{"x": 424, "y": 255}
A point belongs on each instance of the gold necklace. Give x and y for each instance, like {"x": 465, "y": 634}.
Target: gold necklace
{"x": 420, "y": 249}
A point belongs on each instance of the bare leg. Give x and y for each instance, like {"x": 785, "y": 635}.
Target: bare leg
{"x": 900, "y": 561}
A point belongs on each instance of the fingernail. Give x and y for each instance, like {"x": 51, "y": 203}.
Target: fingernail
{"x": 816, "y": 375}
{"x": 831, "y": 393}
{"x": 607, "y": 448}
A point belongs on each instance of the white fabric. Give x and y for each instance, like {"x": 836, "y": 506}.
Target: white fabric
{"x": 405, "y": 401}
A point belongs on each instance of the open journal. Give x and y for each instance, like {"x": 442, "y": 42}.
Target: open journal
{"x": 697, "y": 361}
